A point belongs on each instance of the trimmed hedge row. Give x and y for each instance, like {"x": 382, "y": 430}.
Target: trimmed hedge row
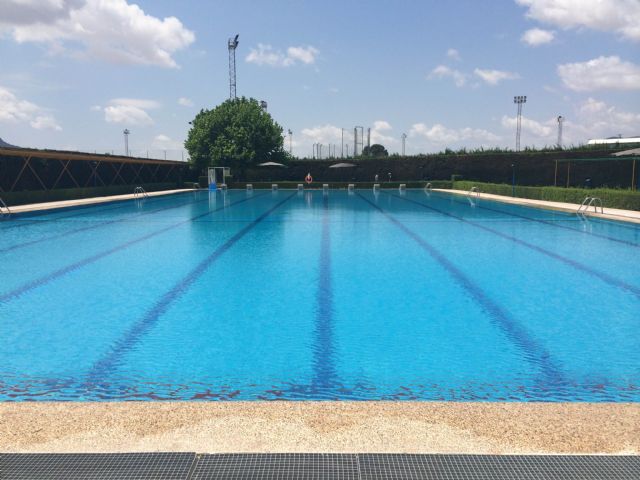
{"x": 612, "y": 198}
{"x": 40, "y": 196}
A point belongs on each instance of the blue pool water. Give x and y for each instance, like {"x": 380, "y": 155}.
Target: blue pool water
{"x": 287, "y": 295}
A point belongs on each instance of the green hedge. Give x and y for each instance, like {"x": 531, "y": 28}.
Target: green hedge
{"x": 40, "y": 196}
{"x": 343, "y": 185}
{"x": 612, "y": 198}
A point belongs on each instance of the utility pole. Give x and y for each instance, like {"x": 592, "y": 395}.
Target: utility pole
{"x": 232, "y": 45}
{"x": 519, "y": 100}
{"x": 560, "y": 120}
{"x": 404, "y": 138}
{"x": 126, "y": 142}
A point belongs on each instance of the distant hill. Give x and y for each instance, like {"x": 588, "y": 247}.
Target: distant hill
{"x": 6, "y": 145}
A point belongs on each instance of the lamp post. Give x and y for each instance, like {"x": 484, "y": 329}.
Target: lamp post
{"x": 519, "y": 100}
{"x": 126, "y": 133}
{"x": 290, "y": 141}
{"x": 404, "y": 138}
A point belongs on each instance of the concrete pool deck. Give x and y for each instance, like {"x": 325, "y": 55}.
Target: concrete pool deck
{"x": 81, "y": 202}
{"x": 608, "y": 213}
{"x": 328, "y": 427}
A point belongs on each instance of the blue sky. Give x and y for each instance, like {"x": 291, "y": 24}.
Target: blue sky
{"x": 75, "y": 73}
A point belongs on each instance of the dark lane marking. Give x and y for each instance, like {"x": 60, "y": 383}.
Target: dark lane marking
{"x": 15, "y": 293}
{"x": 605, "y": 277}
{"x": 553, "y": 224}
{"x": 98, "y": 224}
{"x": 105, "y": 366}
{"x": 532, "y": 350}
{"x": 323, "y": 365}
{"x": 80, "y": 210}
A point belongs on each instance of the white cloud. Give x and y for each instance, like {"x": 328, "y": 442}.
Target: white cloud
{"x": 164, "y": 142}
{"x": 185, "y": 102}
{"x": 266, "y": 55}
{"x": 536, "y": 36}
{"x": 598, "y": 119}
{"x": 306, "y": 55}
{"x": 493, "y": 77}
{"x": 45, "y": 122}
{"x": 602, "y": 73}
{"x": 618, "y": 16}
{"x": 543, "y": 131}
{"x": 323, "y": 134}
{"x": 14, "y": 110}
{"x": 442, "y": 71}
{"x": 440, "y": 135}
{"x": 453, "y": 53}
{"x": 136, "y": 102}
{"x": 130, "y": 111}
{"x": 379, "y": 133}
{"x": 111, "y": 30}
{"x": 96, "y": 108}
{"x": 25, "y": 12}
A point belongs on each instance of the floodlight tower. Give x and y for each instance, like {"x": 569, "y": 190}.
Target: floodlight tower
{"x": 290, "y": 140}
{"x": 358, "y": 140}
{"x": 232, "y": 44}
{"x": 404, "y": 138}
{"x": 519, "y": 100}
{"x": 126, "y": 133}
{"x": 369, "y": 139}
{"x": 560, "y": 121}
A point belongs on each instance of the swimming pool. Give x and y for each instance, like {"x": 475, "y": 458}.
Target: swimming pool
{"x": 312, "y": 296}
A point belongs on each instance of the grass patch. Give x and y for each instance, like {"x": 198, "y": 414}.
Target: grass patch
{"x": 612, "y": 198}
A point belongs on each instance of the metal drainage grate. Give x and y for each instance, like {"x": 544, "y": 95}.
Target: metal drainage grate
{"x": 175, "y": 466}
{"x": 120, "y": 466}
{"x": 282, "y": 466}
{"x": 498, "y": 467}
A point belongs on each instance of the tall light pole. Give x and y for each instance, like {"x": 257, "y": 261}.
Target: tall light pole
{"x": 404, "y": 138}
{"x": 126, "y": 133}
{"x": 356, "y": 142}
{"x": 290, "y": 141}
{"x": 519, "y": 100}
{"x": 342, "y": 143}
{"x": 232, "y": 45}
{"x": 560, "y": 120}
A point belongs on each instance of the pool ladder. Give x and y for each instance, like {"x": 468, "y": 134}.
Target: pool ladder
{"x": 471, "y": 191}
{"x": 594, "y": 202}
{"x": 140, "y": 192}
{"x": 4, "y": 209}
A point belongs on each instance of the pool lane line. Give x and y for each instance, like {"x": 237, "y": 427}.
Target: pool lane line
{"x": 98, "y": 224}
{"x": 324, "y": 375}
{"x": 103, "y": 367}
{"x": 553, "y": 224}
{"x": 100, "y": 207}
{"x": 17, "y": 292}
{"x": 605, "y": 277}
{"x": 533, "y": 350}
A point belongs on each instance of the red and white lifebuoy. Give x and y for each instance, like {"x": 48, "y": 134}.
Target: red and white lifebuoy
{"x": 308, "y": 178}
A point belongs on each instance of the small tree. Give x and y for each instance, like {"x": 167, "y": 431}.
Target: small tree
{"x": 376, "y": 150}
{"x": 237, "y": 133}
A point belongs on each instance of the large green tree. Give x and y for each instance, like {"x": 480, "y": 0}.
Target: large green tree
{"x": 376, "y": 150}
{"x": 237, "y": 133}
